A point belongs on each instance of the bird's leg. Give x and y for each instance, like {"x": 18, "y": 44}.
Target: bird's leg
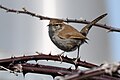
{"x": 60, "y": 55}
{"x": 78, "y": 53}
{"x": 77, "y": 56}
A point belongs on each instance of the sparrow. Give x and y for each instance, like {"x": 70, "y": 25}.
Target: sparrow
{"x": 66, "y": 37}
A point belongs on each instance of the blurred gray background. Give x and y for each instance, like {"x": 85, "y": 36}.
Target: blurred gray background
{"x": 22, "y": 34}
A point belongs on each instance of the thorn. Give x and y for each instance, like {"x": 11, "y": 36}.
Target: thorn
{"x": 38, "y": 53}
{"x": 37, "y": 65}
{"x": 76, "y": 66}
{"x": 24, "y": 73}
{"x": 70, "y": 68}
{"x": 67, "y": 20}
{"x": 66, "y": 56}
{"x": 41, "y": 18}
{"x": 110, "y": 30}
{"x": 74, "y": 59}
{"x": 84, "y": 61}
{"x": 53, "y": 76}
{"x": 12, "y": 57}
{"x": 104, "y": 24}
{"x": 24, "y": 55}
{"x": 49, "y": 54}
{"x": 7, "y": 11}
{"x": 36, "y": 60}
{"x": 75, "y": 19}
{"x": 24, "y": 9}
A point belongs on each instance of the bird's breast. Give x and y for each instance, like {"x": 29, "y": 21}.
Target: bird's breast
{"x": 66, "y": 44}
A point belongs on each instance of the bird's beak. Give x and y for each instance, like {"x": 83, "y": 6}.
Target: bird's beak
{"x": 48, "y": 25}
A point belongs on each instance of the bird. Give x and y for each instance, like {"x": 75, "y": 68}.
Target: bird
{"x": 66, "y": 37}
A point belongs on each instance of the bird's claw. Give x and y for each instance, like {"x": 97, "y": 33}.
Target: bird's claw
{"x": 60, "y": 56}
{"x": 76, "y": 60}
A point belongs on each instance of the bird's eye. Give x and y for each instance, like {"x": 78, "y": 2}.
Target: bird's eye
{"x": 58, "y": 27}
{"x": 56, "y": 24}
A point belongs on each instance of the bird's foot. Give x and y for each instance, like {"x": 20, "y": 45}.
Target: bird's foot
{"x": 60, "y": 56}
{"x": 76, "y": 60}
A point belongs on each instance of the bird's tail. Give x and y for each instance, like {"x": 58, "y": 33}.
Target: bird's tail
{"x": 86, "y": 29}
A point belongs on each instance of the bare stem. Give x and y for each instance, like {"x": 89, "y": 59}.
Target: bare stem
{"x": 25, "y": 11}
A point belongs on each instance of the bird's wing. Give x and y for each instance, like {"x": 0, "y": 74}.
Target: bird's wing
{"x": 68, "y": 32}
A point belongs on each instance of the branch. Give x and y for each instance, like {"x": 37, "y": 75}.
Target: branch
{"x": 66, "y": 73}
{"x": 102, "y": 70}
{"x": 41, "y": 69}
{"x": 24, "y": 59}
{"x": 24, "y": 11}
{"x": 95, "y": 72}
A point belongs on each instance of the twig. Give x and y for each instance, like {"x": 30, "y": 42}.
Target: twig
{"x": 105, "y": 68}
{"x": 45, "y": 69}
{"x": 24, "y": 11}
{"x": 2, "y": 67}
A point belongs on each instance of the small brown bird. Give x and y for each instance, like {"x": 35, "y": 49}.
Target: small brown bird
{"x": 67, "y": 38}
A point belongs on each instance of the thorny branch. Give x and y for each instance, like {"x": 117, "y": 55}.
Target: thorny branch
{"x": 103, "y": 69}
{"x": 24, "y": 59}
{"x": 94, "y": 72}
{"x": 24, "y": 11}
